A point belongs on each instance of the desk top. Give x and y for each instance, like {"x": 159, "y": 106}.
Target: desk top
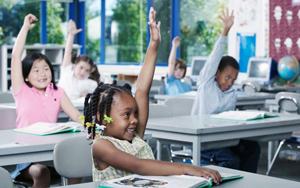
{"x": 241, "y": 96}
{"x": 206, "y": 124}
{"x": 249, "y": 180}
{"x": 13, "y": 142}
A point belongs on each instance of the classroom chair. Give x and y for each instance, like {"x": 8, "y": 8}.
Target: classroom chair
{"x": 72, "y": 158}
{"x": 6, "y": 97}
{"x": 5, "y": 178}
{"x": 250, "y": 86}
{"x": 288, "y": 102}
{"x": 178, "y": 106}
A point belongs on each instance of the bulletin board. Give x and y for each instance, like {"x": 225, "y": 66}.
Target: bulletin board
{"x": 284, "y": 38}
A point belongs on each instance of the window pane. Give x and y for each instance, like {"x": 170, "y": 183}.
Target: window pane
{"x": 57, "y": 14}
{"x": 12, "y": 14}
{"x": 125, "y": 37}
{"x": 199, "y": 31}
{"x": 163, "y": 14}
{"x": 93, "y": 29}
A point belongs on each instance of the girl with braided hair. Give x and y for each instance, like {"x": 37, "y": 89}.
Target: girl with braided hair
{"x": 120, "y": 150}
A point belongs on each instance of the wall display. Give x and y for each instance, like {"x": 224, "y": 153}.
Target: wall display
{"x": 284, "y": 37}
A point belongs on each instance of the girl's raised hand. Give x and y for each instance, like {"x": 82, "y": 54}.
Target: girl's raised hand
{"x": 72, "y": 29}
{"x": 29, "y": 21}
{"x": 154, "y": 27}
{"x": 176, "y": 41}
{"x": 227, "y": 20}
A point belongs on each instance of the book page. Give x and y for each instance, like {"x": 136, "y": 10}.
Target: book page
{"x": 158, "y": 181}
{"x": 43, "y": 128}
{"x": 243, "y": 115}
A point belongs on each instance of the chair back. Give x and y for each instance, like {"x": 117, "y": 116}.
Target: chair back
{"x": 250, "y": 87}
{"x": 6, "y": 97}
{"x": 288, "y": 102}
{"x": 180, "y": 106}
{"x": 5, "y": 178}
{"x": 73, "y": 158}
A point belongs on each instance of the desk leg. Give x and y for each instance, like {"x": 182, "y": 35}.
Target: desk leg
{"x": 196, "y": 151}
{"x": 158, "y": 149}
{"x": 270, "y": 153}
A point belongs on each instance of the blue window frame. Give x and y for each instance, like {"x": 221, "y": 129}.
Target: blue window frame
{"x": 77, "y": 13}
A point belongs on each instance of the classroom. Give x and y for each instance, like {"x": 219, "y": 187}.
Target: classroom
{"x": 149, "y": 93}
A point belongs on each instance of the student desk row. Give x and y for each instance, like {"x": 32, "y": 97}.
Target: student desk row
{"x": 249, "y": 180}
{"x": 18, "y": 147}
{"x": 204, "y": 132}
{"x": 244, "y": 100}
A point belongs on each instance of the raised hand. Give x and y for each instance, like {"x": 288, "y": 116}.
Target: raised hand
{"x": 176, "y": 41}
{"x": 72, "y": 29}
{"x": 29, "y": 21}
{"x": 154, "y": 27}
{"x": 227, "y": 20}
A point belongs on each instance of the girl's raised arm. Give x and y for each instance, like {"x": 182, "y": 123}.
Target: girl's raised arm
{"x": 16, "y": 65}
{"x": 172, "y": 55}
{"x": 72, "y": 31}
{"x": 146, "y": 74}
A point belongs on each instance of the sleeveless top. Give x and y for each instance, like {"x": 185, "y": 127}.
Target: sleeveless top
{"x": 138, "y": 148}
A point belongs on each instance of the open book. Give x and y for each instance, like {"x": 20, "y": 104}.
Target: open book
{"x": 245, "y": 115}
{"x": 42, "y": 128}
{"x": 179, "y": 181}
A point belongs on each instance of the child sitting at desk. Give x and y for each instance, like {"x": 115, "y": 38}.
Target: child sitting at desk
{"x": 121, "y": 151}
{"x": 176, "y": 72}
{"x": 74, "y": 78}
{"x": 37, "y": 99}
{"x": 215, "y": 94}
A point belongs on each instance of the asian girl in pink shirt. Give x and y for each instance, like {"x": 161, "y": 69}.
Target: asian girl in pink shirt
{"x": 37, "y": 99}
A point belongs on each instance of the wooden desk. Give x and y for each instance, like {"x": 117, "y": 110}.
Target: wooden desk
{"x": 204, "y": 132}
{"x": 18, "y": 148}
{"x": 249, "y": 180}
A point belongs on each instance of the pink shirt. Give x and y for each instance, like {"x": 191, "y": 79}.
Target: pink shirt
{"x": 35, "y": 106}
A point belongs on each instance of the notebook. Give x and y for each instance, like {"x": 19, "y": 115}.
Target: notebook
{"x": 175, "y": 181}
{"x": 42, "y": 128}
{"x": 245, "y": 115}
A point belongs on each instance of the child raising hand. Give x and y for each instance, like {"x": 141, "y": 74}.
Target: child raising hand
{"x": 74, "y": 78}
{"x": 176, "y": 72}
{"x": 120, "y": 149}
{"x": 37, "y": 99}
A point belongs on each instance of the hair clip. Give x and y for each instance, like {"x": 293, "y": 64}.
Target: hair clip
{"x": 89, "y": 124}
{"x": 81, "y": 119}
{"x": 107, "y": 119}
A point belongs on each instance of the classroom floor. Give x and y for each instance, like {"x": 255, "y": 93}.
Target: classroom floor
{"x": 282, "y": 168}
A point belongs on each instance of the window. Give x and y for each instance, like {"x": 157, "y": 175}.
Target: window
{"x": 15, "y": 11}
{"x": 93, "y": 29}
{"x": 200, "y": 31}
{"x": 163, "y": 14}
{"x": 11, "y": 20}
{"x": 125, "y": 32}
